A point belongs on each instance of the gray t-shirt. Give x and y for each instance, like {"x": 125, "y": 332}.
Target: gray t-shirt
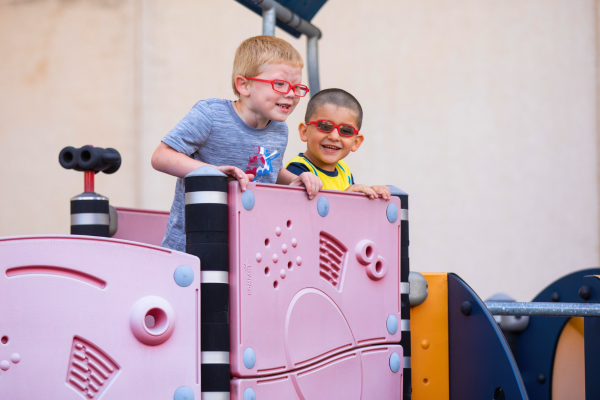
{"x": 213, "y": 133}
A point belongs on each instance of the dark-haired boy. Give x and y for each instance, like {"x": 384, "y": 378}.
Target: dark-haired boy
{"x": 331, "y": 131}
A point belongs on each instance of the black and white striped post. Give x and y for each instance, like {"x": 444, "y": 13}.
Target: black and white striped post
{"x": 404, "y": 290}
{"x": 90, "y": 215}
{"x": 206, "y": 226}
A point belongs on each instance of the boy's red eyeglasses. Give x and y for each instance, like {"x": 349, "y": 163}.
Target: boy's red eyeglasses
{"x": 328, "y": 126}
{"x": 284, "y": 87}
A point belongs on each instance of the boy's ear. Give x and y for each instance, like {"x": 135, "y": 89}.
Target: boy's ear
{"x": 302, "y": 128}
{"x": 242, "y": 85}
{"x": 357, "y": 142}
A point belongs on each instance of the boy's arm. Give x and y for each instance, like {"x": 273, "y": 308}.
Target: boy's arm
{"x": 373, "y": 192}
{"x": 170, "y": 161}
{"x": 312, "y": 182}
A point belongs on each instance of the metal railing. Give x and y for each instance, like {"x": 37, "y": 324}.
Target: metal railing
{"x": 543, "y": 309}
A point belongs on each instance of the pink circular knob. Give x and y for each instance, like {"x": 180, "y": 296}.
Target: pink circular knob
{"x": 152, "y": 320}
{"x": 366, "y": 252}
{"x": 377, "y": 269}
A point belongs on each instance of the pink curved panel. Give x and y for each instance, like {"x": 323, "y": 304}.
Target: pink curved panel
{"x": 283, "y": 247}
{"x": 359, "y": 374}
{"x": 74, "y": 339}
{"x": 310, "y": 336}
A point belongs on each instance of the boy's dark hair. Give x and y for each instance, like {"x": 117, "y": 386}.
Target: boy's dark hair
{"x": 336, "y": 97}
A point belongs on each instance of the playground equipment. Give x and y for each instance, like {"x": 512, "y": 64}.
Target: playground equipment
{"x": 319, "y": 309}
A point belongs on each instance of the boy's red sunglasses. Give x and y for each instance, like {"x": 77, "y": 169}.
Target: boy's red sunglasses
{"x": 284, "y": 86}
{"x": 328, "y": 126}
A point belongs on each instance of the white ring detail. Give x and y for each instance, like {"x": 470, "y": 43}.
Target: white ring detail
{"x": 405, "y": 325}
{"x": 206, "y": 198}
{"x": 406, "y": 362}
{"x": 90, "y": 219}
{"x": 214, "y": 277}
{"x": 404, "y": 287}
{"x": 404, "y": 215}
{"x": 215, "y": 396}
{"x": 214, "y": 357}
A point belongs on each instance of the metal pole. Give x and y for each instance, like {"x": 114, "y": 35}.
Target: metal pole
{"x": 269, "y": 18}
{"x": 543, "y": 309}
{"x": 312, "y": 59}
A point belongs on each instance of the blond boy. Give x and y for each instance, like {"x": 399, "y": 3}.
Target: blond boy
{"x": 245, "y": 139}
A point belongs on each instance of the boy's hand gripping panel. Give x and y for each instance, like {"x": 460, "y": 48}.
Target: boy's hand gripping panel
{"x": 309, "y": 278}
{"x": 370, "y": 373}
{"x": 85, "y": 317}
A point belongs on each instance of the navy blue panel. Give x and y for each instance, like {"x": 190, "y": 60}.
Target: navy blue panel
{"x": 258, "y": 10}
{"x": 537, "y": 344}
{"x": 306, "y": 9}
{"x": 592, "y": 343}
{"x": 480, "y": 359}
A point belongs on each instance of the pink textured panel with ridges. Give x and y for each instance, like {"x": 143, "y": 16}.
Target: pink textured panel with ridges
{"x": 360, "y": 374}
{"x": 305, "y": 287}
{"x": 90, "y": 370}
{"x": 66, "y": 305}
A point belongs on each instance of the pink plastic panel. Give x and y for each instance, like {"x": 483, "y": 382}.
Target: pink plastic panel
{"x": 144, "y": 226}
{"x": 358, "y": 374}
{"x": 66, "y": 325}
{"x": 305, "y": 287}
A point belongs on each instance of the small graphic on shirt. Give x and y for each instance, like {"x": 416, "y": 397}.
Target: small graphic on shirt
{"x": 260, "y": 162}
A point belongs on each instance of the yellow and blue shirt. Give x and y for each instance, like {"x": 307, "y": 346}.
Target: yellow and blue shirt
{"x": 340, "y": 179}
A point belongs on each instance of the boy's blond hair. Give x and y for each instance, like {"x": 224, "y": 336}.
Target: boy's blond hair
{"x": 255, "y": 53}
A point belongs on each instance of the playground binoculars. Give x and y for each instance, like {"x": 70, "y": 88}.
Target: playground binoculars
{"x": 89, "y": 158}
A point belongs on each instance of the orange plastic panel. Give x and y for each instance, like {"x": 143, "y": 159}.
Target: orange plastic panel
{"x": 429, "y": 344}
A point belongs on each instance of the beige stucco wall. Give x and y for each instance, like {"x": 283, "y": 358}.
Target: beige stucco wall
{"x": 484, "y": 111}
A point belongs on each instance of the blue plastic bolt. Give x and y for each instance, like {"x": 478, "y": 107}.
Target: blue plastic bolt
{"x": 323, "y": 206}
{"x": 248, "y": 199}
{"x": 395, "y": 362}
{"x": 183, "y": 393}
{"x": 392, "y": 324}
{"x": 249, "y": 358}
{"x": 184, "y": 276}
{"x": 249, "y": 394}
{"x": 392, "y": 213}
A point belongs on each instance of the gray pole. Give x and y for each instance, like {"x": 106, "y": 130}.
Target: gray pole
{"x": 269, "y": 18}
{"x": 543, "y": 309}
{"x": 312, "y": 58}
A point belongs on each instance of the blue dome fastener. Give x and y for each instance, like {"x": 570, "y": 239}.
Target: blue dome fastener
{"x": 248, "y": 199}
{"x": 392, "y": 213}
{"x": 323, "y": 206}
{"x": 184, "y": 276}
{"x": 249, "y": 358}
{"x": 395, "y": 362}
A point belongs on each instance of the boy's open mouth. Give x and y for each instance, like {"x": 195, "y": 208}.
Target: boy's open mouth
{"x": 284, "y": 107}
{"x": 330, "y": 149}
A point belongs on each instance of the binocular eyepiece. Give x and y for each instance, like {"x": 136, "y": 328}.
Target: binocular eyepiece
{"x": 89, "y": 158}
